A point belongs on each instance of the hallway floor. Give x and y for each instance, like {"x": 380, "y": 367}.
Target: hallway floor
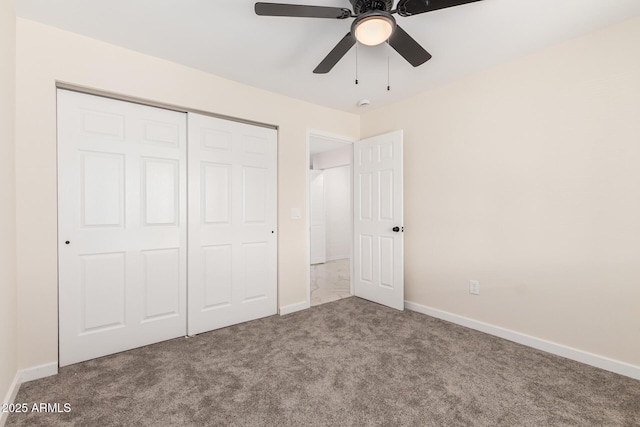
{"x": 330, "y": 281}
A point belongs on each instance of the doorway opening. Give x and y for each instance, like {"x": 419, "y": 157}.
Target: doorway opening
{"x": 329, "y": 218}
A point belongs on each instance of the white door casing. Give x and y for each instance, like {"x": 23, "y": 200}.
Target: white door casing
{"x": 232, "y": 223}
{"x": 121, "y": 225}
{"x": 317, "y": 228}
{"x": 378, "y": 209}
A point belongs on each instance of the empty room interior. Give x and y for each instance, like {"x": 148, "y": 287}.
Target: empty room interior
{"x": 232, "y": 213}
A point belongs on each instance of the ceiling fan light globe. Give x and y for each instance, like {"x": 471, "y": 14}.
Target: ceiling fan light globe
{"x": 374, "y": 30}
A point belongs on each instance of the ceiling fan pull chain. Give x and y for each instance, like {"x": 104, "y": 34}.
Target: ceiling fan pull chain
{"x": 388, "y": 73}
{"x": 356, "y": 63}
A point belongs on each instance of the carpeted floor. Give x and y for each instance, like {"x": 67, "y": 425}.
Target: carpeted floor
{"x": 346, "y": 363}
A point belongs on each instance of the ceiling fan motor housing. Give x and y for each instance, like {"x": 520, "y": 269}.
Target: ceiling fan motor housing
{"x": 363, "y": 6}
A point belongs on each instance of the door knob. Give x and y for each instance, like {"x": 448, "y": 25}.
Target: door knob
{"x": 396, "y": 229}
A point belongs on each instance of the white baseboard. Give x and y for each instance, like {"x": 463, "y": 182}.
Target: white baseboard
{"x": 288, "y": 309}
{"x": 337, "y": 257}
{"x": 23, "y": 376}
{"x": 585, "y": 357}
{"x": 10, "y": 397}
{"x": 38, "y": 372}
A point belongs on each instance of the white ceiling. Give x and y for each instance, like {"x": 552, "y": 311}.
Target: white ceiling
{"x": 226, "y": 38}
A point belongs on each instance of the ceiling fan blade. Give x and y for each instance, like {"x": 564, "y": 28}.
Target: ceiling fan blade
{"x": 415, "y": 7}
{"x": 336, "y": 54}
{"x": 406, "y": 46}
{"x": 297, "y": 10}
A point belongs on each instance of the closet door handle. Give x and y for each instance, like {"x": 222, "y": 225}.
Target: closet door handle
{"x": 396, "y": 229}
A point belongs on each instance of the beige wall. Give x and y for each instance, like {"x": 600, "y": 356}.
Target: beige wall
{"x": 8, "y": 365}
{"x": 526, "y": 177}
{"x": 46, "y": 55}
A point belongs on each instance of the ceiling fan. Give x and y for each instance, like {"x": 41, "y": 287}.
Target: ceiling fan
{"x": 374, "y": 24}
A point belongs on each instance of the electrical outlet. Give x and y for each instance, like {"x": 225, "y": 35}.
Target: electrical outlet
{"x": 474, "y": 287}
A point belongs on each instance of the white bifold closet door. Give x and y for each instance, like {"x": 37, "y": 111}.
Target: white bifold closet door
{"x": 232, "y": 223}
{"x": 123, "y": 224}
{"x": 121, "y": 227}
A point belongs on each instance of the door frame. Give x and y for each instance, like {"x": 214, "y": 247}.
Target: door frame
{"x": 307, "y": 218}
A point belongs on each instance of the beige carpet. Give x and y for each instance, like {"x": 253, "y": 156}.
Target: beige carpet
{"x": 346, "y": 363}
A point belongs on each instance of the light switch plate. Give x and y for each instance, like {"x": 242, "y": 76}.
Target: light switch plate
{"x": 296, "y": 213}
{"x": 474, "y": 287}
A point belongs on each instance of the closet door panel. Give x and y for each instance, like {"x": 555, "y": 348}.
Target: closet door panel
{"x": 232, "y": 223}
{"x": 121, "y": 225}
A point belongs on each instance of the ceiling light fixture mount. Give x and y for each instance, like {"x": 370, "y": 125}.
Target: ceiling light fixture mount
{"x": 373, "y": 28}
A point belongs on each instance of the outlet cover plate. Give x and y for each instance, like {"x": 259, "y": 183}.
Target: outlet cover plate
{"x": 474, "y": 287}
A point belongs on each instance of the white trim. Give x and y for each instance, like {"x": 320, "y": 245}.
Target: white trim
{"x": 288, "y": 309}
{"x": 307, "y": 219}
{"x": 37, "y": 372}
{"x": 23, "y": 376}
{"x": 328, "y": 135}
{"x": 10, "y": 397}
{"x": 585, "y": 357}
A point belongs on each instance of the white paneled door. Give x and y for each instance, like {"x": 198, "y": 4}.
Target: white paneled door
{"x": 317, "y": 227}
{"x": 378, "y": 216}
{"x": 122, "y": 225}
{"x": 232, "y": 223}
